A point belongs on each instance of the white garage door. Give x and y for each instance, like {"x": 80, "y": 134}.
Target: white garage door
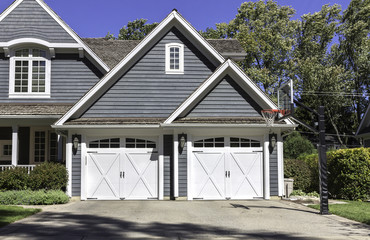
{"x": 227, "y": 168}
{"x": 122, "y": 168}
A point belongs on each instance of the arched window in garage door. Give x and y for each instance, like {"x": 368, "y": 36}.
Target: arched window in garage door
{"x": 105, "y": 143}
{"x": 210, "y": 143}
{"x": 139, "y": 143}
{"x": 243, "y": 143}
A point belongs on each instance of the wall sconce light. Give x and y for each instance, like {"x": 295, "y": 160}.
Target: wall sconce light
{"x": 75, "y": 143}
{"x": 272, "y": 140}
{"x": 182, "y": 141}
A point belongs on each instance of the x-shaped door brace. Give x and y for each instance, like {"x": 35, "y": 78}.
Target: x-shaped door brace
{"x": 103, "y": 175}
{"x": 141, "y": 176}
{"x": 209, "y": 174}
{"x": 244, "y": 172}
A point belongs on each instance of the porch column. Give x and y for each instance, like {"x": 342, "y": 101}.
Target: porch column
{"x": 266, "y": 167}
{"x": 15, "y": 145}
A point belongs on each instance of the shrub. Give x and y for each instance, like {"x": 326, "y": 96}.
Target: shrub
{"x": 295, "y": 145}
{"x": 312, "y": 161}
{"x": 48, "y": 176}
{"x": 28, "y": 197}
{"x": 13, "y": 179}
{"x": 299, "y": 171}
{"x": 349, "y": 176}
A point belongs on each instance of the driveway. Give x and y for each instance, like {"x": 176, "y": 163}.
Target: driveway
{"x": 257, "y": 219}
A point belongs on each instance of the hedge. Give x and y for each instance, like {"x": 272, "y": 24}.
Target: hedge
{"x": 46, "y": 176}
{"x": 348, "y": 173}
{"x": 28, "y": 197}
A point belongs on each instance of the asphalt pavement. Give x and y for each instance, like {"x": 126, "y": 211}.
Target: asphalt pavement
{"x": 257, "y": 219}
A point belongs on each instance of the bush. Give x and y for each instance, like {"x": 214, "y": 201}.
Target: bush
{"x": 28, "y": 197}
{"x": 295, "y": 145}
{"x": 349, "y": 176}
{"x": 48, "y": 176}
{"x": 312, "y": 161}
{"x": 13, "y": 179}
{"x": 299, "y": 171}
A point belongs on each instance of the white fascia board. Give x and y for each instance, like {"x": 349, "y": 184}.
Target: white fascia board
{"x": 225, "y": 125}
{"x": 124, "y": 65}
{"x": 30, "y": 116}
{"x": 73, "y": 34}
{"x": 15, "y": 42}
{"x": 133, "y": 126}
{"x": 366, "y": 115}
{"x": 10, "y": 9}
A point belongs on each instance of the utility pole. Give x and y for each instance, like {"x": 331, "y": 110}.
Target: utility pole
{"x": 323, "y": 170}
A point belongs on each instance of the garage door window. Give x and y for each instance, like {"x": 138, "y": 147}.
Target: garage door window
{"x": 139, "y": 143}
{"x": 243, "y": 142}
{"x": 210, "y": 143}
{"x": 105, "y": 143}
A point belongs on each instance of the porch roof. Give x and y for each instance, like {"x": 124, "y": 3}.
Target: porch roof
{"x": 33, "y": 109}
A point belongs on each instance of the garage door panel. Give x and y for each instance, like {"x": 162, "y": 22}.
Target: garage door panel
{"x": 208, "y": 167}
{"x": 246, "y": 175}
{"x": 141, "y": 174}
{"x": 103, "y": 175}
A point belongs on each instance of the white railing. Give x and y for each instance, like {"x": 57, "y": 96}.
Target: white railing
{"x": 28, "y": 167}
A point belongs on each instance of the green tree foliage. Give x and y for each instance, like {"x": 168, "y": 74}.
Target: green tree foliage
{"x": 135, "y": 30}
{"x": 353, "y": 52}
{"x": 295, "y": 145}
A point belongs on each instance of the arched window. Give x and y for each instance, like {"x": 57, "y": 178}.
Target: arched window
{"x": 29, "y": 73}
{"x": 174, "y": 58}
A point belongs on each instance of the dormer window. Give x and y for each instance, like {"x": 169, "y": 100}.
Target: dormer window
{"x": 29, "y": 73}
{"x": 174, "y": 58}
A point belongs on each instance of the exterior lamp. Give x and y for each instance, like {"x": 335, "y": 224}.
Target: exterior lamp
{"x": 182, "y": 142}
{"x": 273, "y": 140}
{"x": 75, "y": 142}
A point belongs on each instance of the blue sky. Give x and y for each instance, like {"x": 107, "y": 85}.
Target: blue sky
{"x": 94, "y": 18}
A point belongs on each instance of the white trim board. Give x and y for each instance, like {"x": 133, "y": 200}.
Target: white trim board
{"x": 174, "y": 19}
{"x": 91, "y": 55}
{"x": 227, "y": 68}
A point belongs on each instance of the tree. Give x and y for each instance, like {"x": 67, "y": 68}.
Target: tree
{"x": 354, "y": 52}
{"x": 135, "y": 30}
{"x": 266, "y": 32}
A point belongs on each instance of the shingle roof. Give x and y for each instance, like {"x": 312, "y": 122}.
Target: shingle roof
{"x": 113, "y": 51}
{"x": 33, "y": 109}
{"x": 115, "y": 121}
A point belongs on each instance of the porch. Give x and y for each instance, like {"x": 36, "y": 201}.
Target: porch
{"x": 27, "y": 146}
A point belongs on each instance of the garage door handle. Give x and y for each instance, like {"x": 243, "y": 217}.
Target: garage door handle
{"x": 229, "y": 174}
{"x": 122, "y": 174}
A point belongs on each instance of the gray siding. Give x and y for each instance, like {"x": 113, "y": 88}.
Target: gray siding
{"x": 76, "y": 173}
{"x": 30, "y": 20}
{"x": 227, "y": 99}
{"x": 274, "y": 191}
{"x": 71, "y": 78}
{"x": 146, "y": 91}
{"x": 167, "y": 165}
{"x": 183, "y": 171}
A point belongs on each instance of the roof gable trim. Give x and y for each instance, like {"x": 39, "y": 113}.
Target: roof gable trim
{"x": 365, "y": 117}
{"x": 226, "y": 67}
{"x": 133, "y": 55}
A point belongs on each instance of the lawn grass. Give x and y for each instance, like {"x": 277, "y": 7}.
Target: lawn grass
{"x": 355, "y": 210}
{"x": 9, "y": 214}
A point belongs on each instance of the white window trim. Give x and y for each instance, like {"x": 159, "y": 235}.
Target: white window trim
{"x": 29, "y": 94}
{"x": 181, "y": 58}
{"x": 47, "y": 131}
{"x": 2, "y": 144}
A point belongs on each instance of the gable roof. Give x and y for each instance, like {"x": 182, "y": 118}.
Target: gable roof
{"x": 365, "y": 123}
{"x": 113, "y": 51}
{"x": 174, "y": 19}
{"x": 79, "y": 43}
{"x": 227, "y": 68}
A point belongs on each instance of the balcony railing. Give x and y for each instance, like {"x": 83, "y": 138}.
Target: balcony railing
{"x": 28, "y": 167}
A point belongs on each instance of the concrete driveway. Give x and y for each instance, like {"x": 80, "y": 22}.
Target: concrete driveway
{"x": 183, "y": 220}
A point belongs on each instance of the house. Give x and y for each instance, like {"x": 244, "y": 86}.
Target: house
{"x": 171, "y": 116}
{"x": 363, "y": 130}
